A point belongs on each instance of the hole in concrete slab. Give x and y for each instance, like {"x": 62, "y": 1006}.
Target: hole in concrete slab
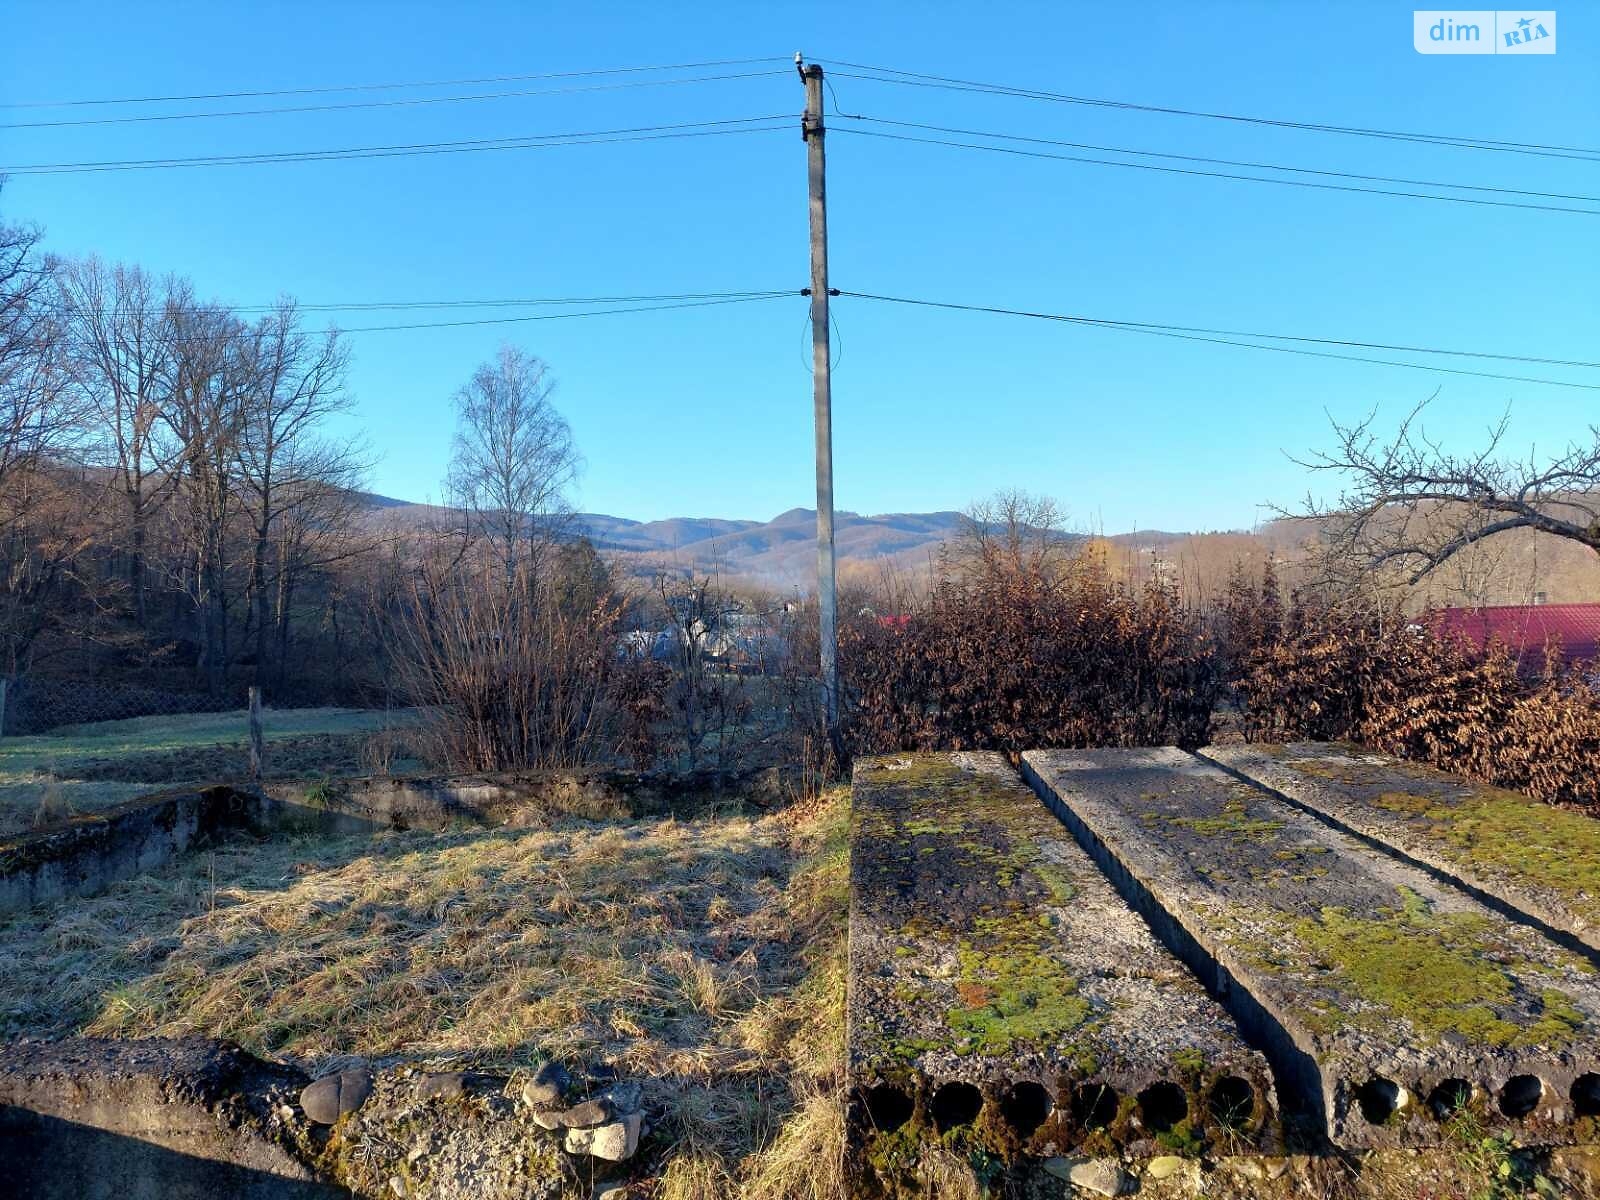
{"x": 1586, "y": 1095}
{"x": 1449, "y": 1098}
{"x": 1232, "y": 1102}
{"x": 1094, "y": 1105}
{"x": 887, "y": 1107}
{"x": 1378, "y": 1098}
{"x": 1520, "y": 1096}
{"x": 1026, "y": 1107}
{"x": 956, "y": 1104}
{"x": 1162, "y": 1105}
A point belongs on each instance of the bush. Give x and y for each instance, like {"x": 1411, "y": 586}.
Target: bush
{"x": 1020, "y": 655}
{"x": 526, "y": 675}
{"x": 1401, "y": 687}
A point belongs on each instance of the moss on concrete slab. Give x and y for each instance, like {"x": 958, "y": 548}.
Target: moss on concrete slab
{"x": 1442, "y": 973}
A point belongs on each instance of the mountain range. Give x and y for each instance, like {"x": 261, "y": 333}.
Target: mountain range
{"x": 781, "y": 552}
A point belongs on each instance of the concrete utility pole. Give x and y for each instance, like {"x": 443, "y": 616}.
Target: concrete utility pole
{"x": 827, "y": 600}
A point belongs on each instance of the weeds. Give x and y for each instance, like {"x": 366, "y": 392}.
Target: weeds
{"x": 1491, "y": 1166}
{"x": 1401, "y": 686}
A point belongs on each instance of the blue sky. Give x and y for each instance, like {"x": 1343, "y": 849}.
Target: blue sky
{"x": 707, "y": 412}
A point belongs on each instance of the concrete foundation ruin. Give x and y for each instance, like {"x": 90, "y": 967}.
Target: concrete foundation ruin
{"x": 1387, "y": 1000}
{"x": 1005, "y": 1004}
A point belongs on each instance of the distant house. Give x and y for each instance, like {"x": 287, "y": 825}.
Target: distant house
{"x": 746, "y": 640}
{"x": 640, "y": 643}
{"x": 1524, "y": 629}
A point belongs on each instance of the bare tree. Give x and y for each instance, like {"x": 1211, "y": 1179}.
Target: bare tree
{"x": 706, "y": 701}
{"x": 212, "y": 375}
{"x": 516, "y": 678}
{"x": 119, "y": 333}
{"x": 286, "y": 466}
{"x": 33, "y": 414}
{"x": 1411, "y": 506}
{"x": 513, "y": 459}
{"x": 1011, "y": 533}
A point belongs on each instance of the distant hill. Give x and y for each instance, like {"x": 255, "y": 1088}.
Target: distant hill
{"x": 782, "y": 552}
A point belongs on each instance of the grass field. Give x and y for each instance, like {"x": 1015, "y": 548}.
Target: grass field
{"x": 704, "y": 958}
{"x": 81, "y": 768}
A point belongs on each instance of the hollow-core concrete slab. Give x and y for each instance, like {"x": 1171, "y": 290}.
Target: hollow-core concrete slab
{"x": 1538, "y": 862}
{"x": 1003, "y": 995}
{"x": 1386, "y": 999}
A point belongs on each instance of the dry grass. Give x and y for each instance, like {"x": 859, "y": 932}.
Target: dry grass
{"x": 705, "y": 958}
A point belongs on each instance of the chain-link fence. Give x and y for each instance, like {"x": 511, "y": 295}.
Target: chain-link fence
{"x": 40, "y": 704}
{"x": 36, "y": 705}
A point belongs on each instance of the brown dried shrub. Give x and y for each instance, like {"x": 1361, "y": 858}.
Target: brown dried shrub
{"x": 1018, "y": 656}
{"x": 1372, "y": 676}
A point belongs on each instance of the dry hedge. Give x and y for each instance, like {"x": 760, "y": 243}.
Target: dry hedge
{"x": 1032, "y": 657}
{"x": 1010, "y": 657}
{"x": 1402, "y": 687}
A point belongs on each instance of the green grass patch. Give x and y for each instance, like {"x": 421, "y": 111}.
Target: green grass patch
{"x": 80, "y": 769}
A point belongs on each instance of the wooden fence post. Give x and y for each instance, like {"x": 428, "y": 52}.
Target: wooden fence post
{"x": 257, "y": 742}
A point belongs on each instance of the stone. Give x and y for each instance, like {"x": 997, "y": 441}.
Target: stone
{"x": 588, "y": 1114}
{"x": 1103, "y": 1176}
{"x": 547, "y": 1120}
{"x": 1247, "y": 1168}
{"x": 610, "y": 1191}
{"x": 624, "y": 1097}
{"x": 548, "y": 1086}
{"x": 1164, "y": 1167}
{"x": 1529, "y": 855}
{"x": 1310, "y": 923}
{"x": 87, "y": 1117}
{"x": 613, "y": 1142}
{"x": 443, "y": 1084}
{"x": 1035, "y": 975}
{"x": 333, "y": 1096}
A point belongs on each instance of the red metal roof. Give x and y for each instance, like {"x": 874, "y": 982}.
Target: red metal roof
{"x": 1525, "y": 628}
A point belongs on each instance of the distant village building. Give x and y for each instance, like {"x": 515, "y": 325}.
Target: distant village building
{"x": 747, "y": 641}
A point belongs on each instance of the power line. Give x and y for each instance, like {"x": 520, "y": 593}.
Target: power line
{"x": 249, "y": 334}
{"x": 772, "y": 293}
{"x": 1197, "y": 334}
{"x": 407, "y": 102}
{"x": 562, "y": 316}
{"x": 376, "y": 87}
{"x": 520, "y": 302}
{"x": 643, "y": 133}
{"x": 1299, "y": 183}
{"x": 1227, "y": 162}
{"x": 917, "y": 79}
